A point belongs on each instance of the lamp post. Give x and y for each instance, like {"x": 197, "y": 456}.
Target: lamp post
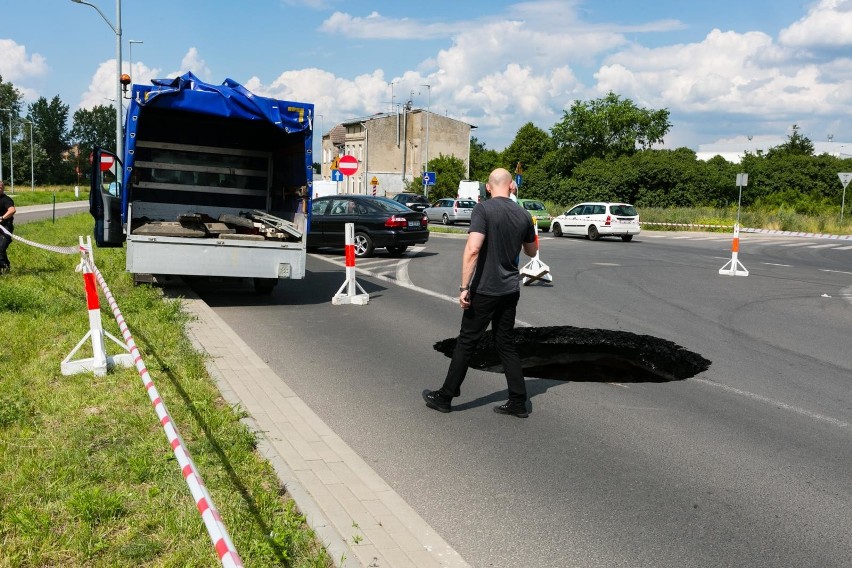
{"x": 1, "y": 154}
{"x": 130, "y": 55}
{"x": 119, "y": 141}
{"x": 32, "y": 167}
{"x": 426, "y": 149}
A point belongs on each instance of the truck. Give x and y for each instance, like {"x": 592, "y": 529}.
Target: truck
{"x": 474, "y": 190}
{"x": 213, "y": 181}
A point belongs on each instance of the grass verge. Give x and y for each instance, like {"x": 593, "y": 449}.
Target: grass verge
{"x": 44, "y": 195}
{"x": 87, "y": 474}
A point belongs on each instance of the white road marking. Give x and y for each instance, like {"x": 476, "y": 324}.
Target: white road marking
{"x": 777, "y": 403}
{"x": 821, "y": 246}
{"x": 776, "y": 264}
{"x": 795, "y": 244}
{"x": 835, "y": 271}
{"x": 849, "y": 247}
{"x": 606, "y": 264}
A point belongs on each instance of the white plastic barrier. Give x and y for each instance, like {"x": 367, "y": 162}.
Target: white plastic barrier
{"x": 351, "y": 285}
{"x": 535, "y": 270}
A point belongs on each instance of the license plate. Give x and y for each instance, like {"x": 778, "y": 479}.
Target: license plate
{"x": 413, "y": 224}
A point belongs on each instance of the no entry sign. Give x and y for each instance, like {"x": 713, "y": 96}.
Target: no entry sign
{"x": 348, "y": 165}
{"x": 106, "y": 162}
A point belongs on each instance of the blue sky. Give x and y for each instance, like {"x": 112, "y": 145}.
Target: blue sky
{"x": 725, "y": 69}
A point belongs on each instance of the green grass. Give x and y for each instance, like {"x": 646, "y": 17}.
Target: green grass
{"x": 44, "y": 195}
{"x": 87, "y": 477}
{"x": 776, "y": 218}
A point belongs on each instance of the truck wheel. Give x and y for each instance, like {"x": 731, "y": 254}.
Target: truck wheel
{"x": 626, "y": 238}
{"x": 363, "y": 245}
{"x": 557, "y": 230}
{"x": 398, "y": 250}
{"x": 264, "y": 286}
{"x": 593, "y": 233}
{"x": 446, "y": 219}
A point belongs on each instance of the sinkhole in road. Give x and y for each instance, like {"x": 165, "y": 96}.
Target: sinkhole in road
{"x": 569, "y": 353}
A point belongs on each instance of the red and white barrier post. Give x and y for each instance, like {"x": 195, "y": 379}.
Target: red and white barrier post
{"x": 351, "y": 295}
{"x": 99, "y": 363}
{"x": 734, "y": 267}
{"x": 535, "y": 270}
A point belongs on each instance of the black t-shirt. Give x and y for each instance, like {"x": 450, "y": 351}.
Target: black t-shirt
{"x": 506, "y": 227}
{"x": 5, "y": 203}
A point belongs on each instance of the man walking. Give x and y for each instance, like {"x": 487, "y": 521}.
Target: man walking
{"x": 489, "y": 293}
{"x": 7, "y": 217}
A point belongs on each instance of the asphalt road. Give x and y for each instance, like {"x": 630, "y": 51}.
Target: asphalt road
{"x": 746, "y": 464}
{"x": 38, "y": 212}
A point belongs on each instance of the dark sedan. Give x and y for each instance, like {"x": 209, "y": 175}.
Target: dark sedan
{"x": 412, "y": 201}
{"x": 379, "y": 222}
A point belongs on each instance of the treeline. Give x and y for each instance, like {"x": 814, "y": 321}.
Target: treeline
{"x": 43, "y": 145}
{"x": 602, "y": 150}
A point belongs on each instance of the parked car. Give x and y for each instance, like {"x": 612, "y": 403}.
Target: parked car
{"x": 412, "y": 201}
{"x": 449, "y": 210}
{"x": 379, "y": 222}
{"x": 537, "y": 209}
{"x": 598, "y": 219}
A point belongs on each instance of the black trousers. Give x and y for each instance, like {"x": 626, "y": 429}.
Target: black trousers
{"x": 5, "y": 241}
{"x": 499, "y": 311}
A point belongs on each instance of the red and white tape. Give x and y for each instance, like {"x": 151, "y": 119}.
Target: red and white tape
{"x": 225, "y": 549}
{"x": 51, "y": 248}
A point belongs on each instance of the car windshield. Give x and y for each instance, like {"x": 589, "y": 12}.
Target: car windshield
{"x": 389, "y": 205}
{"x": 467, "y": 204}
{"x": 625, "y": 210}
{"x": 416, "y": 199}
{"x": 534, "y": 205}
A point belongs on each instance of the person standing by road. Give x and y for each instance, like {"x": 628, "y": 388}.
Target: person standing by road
{"x": 489, "y": 293}
{"x": 7, "y": 218}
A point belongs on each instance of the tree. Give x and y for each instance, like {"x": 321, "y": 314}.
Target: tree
{"x": 796, "y": 144}
{"x": 10, "y": 98}
{"x": 609, "y": 127}
{"x": 95, "y": 127}
{"x": 530, "y": 145}
{"x": 482, "y": 160}
{"x": 448, "y": 171}
{"x": 50, "y": 121}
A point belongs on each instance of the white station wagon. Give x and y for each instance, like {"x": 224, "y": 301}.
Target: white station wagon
{"x": 598, "y": 219}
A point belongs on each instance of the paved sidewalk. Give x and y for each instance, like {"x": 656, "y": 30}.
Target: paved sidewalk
{"x": 343, "y": 499}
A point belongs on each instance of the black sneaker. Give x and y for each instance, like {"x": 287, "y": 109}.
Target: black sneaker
{"x": 437, "y": 401}
{"x": 512, "y": 410}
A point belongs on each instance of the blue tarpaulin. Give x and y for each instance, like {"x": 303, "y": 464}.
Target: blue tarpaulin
{"x": 229, "y": 100}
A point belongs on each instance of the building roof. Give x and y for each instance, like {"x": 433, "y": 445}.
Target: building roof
{"x": 381, "y": 115}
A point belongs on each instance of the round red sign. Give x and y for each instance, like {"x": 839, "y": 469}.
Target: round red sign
{"x": 348, "y": 165}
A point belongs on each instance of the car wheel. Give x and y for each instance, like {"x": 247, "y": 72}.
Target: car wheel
{"x": 363, "y": 245}
{"x": 398, "y": 250}
{"x": 626, "y": 238}
{"x": 446, "y": 219}
{"x": 593, "y": 233}
{"x": 557, "y": 230}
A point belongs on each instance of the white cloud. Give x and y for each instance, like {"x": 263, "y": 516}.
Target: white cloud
{"x": 16, "y": 65}
{"x": 827, "y": 24}
{"x": 376, "y": 26}
{"x": 193, "y": 61}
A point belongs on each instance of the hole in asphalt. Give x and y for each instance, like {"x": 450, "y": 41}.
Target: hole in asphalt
{"x": 567, "y": 353}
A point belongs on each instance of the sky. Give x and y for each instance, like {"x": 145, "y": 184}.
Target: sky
{"x": 726, "y": 70}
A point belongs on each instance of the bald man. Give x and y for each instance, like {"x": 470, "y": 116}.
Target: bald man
{"x": 489, "y": 293}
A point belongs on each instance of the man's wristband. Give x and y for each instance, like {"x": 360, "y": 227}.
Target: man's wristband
{"x": 464, "y": 288}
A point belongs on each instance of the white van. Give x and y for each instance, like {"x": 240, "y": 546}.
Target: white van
{"x": 473, "y": 190}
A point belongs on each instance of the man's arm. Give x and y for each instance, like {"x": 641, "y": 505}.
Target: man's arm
{"x": 531, "y": 248}
{"x": 469, "y": 257}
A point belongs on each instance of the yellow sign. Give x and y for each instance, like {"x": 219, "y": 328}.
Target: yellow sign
{"x": 335, "y": 162}
{"x": 374, "y": 181}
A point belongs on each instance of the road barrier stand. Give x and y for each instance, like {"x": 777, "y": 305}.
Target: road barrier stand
{"x": 535, "y": 270}
{"x": 99, "y": 363}
{"x": 734, "y": 267}
{"x": 351, "y": 296}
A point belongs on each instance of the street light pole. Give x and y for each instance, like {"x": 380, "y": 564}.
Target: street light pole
{"x": 32, "y": 167}
{"x": 428, "y": 105}
{"x": 119, "y": 139}
{"x": 130, "y": 56}
{"x": 11, "y": 157}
